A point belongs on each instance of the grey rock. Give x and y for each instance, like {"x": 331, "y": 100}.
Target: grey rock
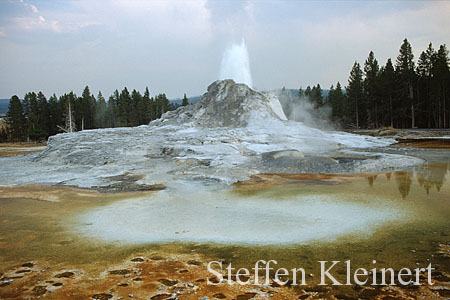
{"x": 226, "y": 104}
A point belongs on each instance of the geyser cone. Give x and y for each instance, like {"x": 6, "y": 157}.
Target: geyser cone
{"x": 228, "y": 104}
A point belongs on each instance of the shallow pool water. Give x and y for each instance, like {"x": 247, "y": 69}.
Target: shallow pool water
{"x": 195, "y": 213}
{"x": 398, "y": 219}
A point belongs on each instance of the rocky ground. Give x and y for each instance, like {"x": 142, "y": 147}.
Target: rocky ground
{"x": 184, "y": 276}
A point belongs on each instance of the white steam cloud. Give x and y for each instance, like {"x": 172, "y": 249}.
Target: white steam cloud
{"x": 301, "y": 109}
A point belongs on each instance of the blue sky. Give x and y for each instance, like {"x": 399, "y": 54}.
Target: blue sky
{"x": 176, "y": 46}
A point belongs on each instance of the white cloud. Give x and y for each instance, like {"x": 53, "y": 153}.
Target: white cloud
{"x": 30, "y": 6}
{"x": 172, "y": 19}
{"x": 34, "y": 8}
{"x": 32, "y": 19}
{"x": 36, "y": 23}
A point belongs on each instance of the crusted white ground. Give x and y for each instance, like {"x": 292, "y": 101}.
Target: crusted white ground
{"x": 221, "y": 138}
{"x": 167, "y": 152}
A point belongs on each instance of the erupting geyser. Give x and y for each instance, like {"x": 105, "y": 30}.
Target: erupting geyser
{"x": 235, "y": 64}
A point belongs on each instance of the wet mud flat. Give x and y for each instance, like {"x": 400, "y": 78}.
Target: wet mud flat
{"x": 424, "y": 143}
{"x": 43, "y": 256}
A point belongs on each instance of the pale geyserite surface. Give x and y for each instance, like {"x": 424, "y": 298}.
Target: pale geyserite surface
{"x": 229, "y": 135}
{"x": 227, "y": 104}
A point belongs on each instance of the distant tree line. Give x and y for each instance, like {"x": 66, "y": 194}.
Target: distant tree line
{"x": 36, "y": 117}
{"x": 404, "y": 95}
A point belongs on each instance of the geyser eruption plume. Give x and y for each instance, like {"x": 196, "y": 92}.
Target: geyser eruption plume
{"x": 235, "y": 64}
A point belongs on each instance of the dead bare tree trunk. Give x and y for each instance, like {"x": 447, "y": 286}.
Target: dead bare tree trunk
{"x": 443, "y": 108}
{"x": 411, "y": 98}
{"x": 390, "y": 108}
{"x": 70, "y": 123}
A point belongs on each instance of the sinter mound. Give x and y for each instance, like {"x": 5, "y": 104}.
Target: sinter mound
{"x": 226, "y": 104}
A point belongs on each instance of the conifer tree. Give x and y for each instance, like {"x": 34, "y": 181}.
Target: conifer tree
{"x": 85, "y": 110}
{"x": 136, "y": 112}
{"x": 15, "y": 119}
{"x": 316, "y": 96}
{"x": 100, "y": 112}
{"x": 405, "y": 71}
{"x": 54, "y": 115}
{"x": 185, "y": 101}
{"x": 142, "y": 109}
{"x": 301, "y": 93}
{"x": 43, "y": 115}
{"x": 162, "y": 105}
{"x": 115, "y": 103}
{"x": 388, "y": 87}
{"x": 149, "y": 107}
{"x": 111, "y": 113}
{"x": 31, "y": 113}
{"x": 355, "y": 93}
{"x": 424, "y": 83}
{"x": 308, "y": 91}
{"x": 338, "y": 102}
{"x": 124, "y": 108}
{"x": 441, "y": 76}
{"x": 372, "y": 89}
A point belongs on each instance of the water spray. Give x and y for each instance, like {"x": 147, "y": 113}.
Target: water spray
{"x": 236, "y": 65}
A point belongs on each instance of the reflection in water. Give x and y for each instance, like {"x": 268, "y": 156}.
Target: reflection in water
{"x": 371, "y": 179}
{"x": 388, "y": 175}
{"x": 428, "y": 176}
{"x": 404, "y": 180}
